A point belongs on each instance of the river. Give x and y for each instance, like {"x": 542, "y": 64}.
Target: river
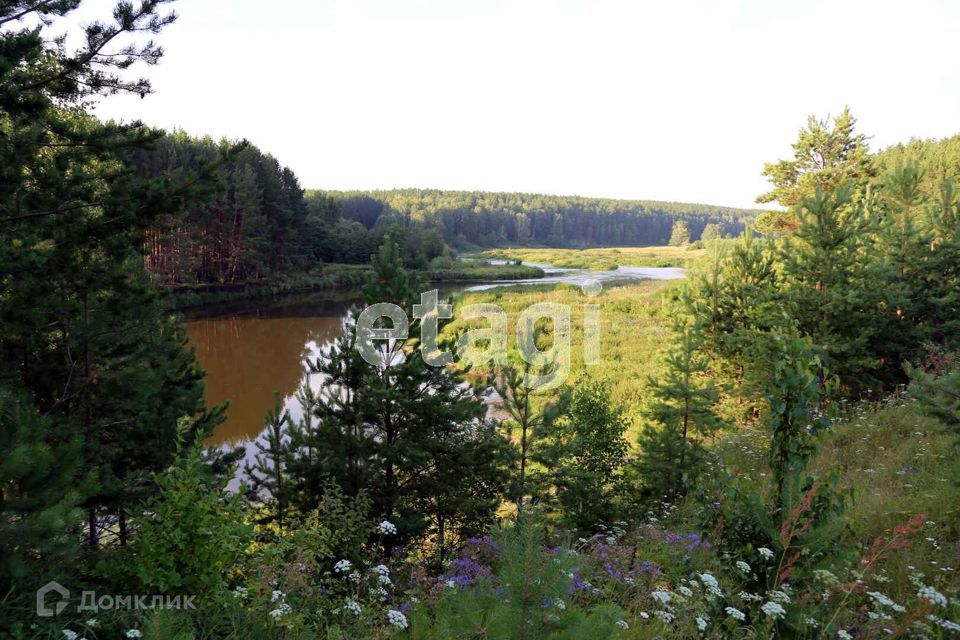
{"x": 254, "y": 349}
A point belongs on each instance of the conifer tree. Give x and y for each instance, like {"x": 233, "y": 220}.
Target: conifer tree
{"x": 531, "y": 418}
{"x": 681, "y": 414}
{"x": 395, "y": 429}
{"x": 268, "y": 476}
{"x": 583, "y": 456}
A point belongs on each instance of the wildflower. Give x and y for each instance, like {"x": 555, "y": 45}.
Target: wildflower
{"x": 70, "y": 635}
{"x": 949, "y": 625}
{"x": 384, "y": 580}
{"x": 779, "y": 596}
{"x": 387, "y": 528}
{"x": 279, "y": 612}
{"x": 749, "y": 597}
{"x": 685, "y": 591}
{"x": 240, "y": 592}
{"x": 932, "y": 595}
{"x": 666, "y": 616}
{"x": 711, "y": 584}
{"x": 133, "y": 633}
{"x": 560, "y": 604}
{"x": 342, "y": 566}
{"x": 622, "y": 624}
{"x": 276, "y": 595}
{"x": 353, "y": 607}
{"x": 736, "y": 614}
{"x": 397, "y": 619}
{"x": 92, "y": 623}
{"x": 662, "y": 596}
{"x": 811, "y": 622}
{"x": 743, "y": 566}
{"x": 354, "y": 576}
{"x": 843, "y": 635}
{"x": 702, "y": 623}
{"x": 382, "y": 570}
{"x": 451, "y": 583}
{"x": 773, "y": 610}
{"x": 766, "y": 553}
{"x": 644, "y": 615}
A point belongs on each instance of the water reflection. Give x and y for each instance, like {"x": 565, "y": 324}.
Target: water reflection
{"x": 250, "y": 355}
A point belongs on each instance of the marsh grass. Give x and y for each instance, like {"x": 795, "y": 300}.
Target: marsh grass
{"x": 604, "y": 258}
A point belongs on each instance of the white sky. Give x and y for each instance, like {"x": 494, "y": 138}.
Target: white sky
{"x": 663, "y": 100}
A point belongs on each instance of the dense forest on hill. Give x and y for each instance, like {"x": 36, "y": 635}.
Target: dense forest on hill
{"x": 496, "y": 219}
{"x": 256, "y": 220}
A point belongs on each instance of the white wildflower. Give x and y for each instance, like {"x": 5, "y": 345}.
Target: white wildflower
{"x": 276, "y": 595}
{"x": 354, "y": 576}
{"x": 353, "y": 607}
{"x": 736, "y": 614}
{"x": 133, "y": 633}
{"x": 666, "y": 616}
{"x": 811, "y": 622}
{"x": 644, "y": 615}
{"x": 381, "y": 569}
{"x": 702, "y": 623}
{"x": 342, "y": 566}
{"x": 92, "y": 623}
{"x": 711, "y": 584}
{"x": 949, "y": 625}
{"x": 743, "y": 566}
{"x": 844, "y": 635}
{"x": 773, "y": 610}
{"x": 766, "y": 553}
{"x": 932, "y": 595}
{"x": 622, "y": 624}
{"x": 70, "y": 635}
{"x": 282, "y": 610}
{"x": 779, "y": 596}
{"x": 387, "y": 528}
{"x": 397, "y": 619}
{"x": 685, "y": 591}
{"x": 560, "y": 604}
{"x": 662, "y": 596}
{"x": 749, "y": 597}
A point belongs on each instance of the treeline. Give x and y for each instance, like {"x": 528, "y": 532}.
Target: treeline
{"x": 252, "y": 220}
{"x": 495, "y": 219}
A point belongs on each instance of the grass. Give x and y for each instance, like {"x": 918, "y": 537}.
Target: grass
{"x": 634, "y": 330}
{"x": 605, "y": 258}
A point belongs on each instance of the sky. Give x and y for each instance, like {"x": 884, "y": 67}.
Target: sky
{"x": 679, "y": 100}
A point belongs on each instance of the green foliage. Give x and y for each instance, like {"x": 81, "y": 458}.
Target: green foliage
{"x": 680, "y": 234}
{"x": 192, "y": 533}
{"x": 938, "y": 392}
{"x": 681, "y": 414}
{"x": 468, "y": 219}
{"x": 526, "y": 602}
{"x": 827, "y": 156}
{"x": 583, "y": 457}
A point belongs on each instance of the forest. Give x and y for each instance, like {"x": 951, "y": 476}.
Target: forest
{"x": 497, "y": 219}
{"x": 768, "y": 448}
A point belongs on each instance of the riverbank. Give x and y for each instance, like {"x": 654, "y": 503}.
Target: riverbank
{"x": 602, "y": 258}
{"x": 330, "y": 277}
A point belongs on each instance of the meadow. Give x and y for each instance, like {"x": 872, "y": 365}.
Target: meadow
{"x": 603, "y": 258}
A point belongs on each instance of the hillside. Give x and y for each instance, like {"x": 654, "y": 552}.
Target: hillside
{"x": 495, "y": 219}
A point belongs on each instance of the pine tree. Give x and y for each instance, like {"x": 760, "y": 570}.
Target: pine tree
{"x": 681, "y": 414}
{"x": 531, "y": 418}
{"x": 268, "y": 475}
{"x": 397, "y": 429}
{"x": 828, "y": 155}
{"x": 583, "y": 456}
